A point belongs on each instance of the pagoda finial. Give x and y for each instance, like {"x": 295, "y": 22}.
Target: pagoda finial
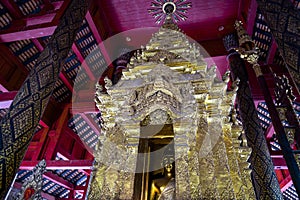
{"x": 174, "y": 10}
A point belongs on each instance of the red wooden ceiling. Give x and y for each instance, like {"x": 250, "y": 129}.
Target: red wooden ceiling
{"x": 204, "y": 18}
{"x": 115, "y": 16}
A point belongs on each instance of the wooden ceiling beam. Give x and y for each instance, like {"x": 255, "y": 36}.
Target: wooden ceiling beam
{"x": 54, "y": 135}
{"x": 60, "y": 164}
{"x": 286, "y": 183}
{"x": 7, "y": 95}
{"x": 68, "y": 83}
{"x": 12, "y": 8}
{"x": 6, "y": 99}
{"x": 3, "y": 89}
{"x": 38, "y": 44}
{"x": 38, "y": 25}
{"x": 58, "y": 180}
{"x": 11, "y": 58}
{"x": 91, "y": 123}
{"x": 98, "y": 38}
{"x": 272, "y": 52}
{"x": 83, "y": 62}
{"x": 279, "y": 163}
{"x": 23, "y": 33}
{"x": 16, "y": 13}
{"x": 28, "y": 28}
{"x": 269, "y": 132}
{"x": 78, "y": 140}
{"x": 42, "y": 134}
{"x": 83, "y": 107}
{"x": 251, "y": 17}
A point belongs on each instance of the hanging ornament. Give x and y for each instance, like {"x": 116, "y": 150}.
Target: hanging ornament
{"x": 176, "y": 9}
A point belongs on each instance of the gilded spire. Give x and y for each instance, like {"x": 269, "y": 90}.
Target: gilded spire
{"x": 168, "y": 83}
{"x": 169, "y": 24}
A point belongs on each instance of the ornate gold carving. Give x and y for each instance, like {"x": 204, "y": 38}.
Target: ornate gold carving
{"x": 32, "y": 187}
{"x": 247, "y": 49}
{"x": 168, "y": 82}
{"x": 244, "y": 38}
{"x": 257, "y": 70}
{"x": 282, "y": 113}
{"x": 290, "y": 134}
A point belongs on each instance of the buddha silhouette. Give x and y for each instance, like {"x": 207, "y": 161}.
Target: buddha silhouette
{"x": 164, "y": 188}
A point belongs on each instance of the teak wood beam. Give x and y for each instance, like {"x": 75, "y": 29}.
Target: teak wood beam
{"x": 39, "y": 147}
{"x": 91, "y": 123}
{"x": 11, "y": 58}
{"x": 60, "y": 164}
{"x": 251, "y": 17}
{"x": 286, "y": 183}
{"x": 83, "y": 62}
{"x": 279, "y": 162}
{"x": 58, "y": 180}
{"x": 55, "y": 134}
{"x": 83, "y": 107}
{"x": 269, "y": 132}
{"x": 6, "y": 99}
{"x": 78, "y": 140}
{"x": 272, "y": 52}
{"x": 27, "y": 32}
{"x": 97, "y": 36}
{"x": 38, "y": 25}
{"x": 13, "y": 9}
{"x": 7, "y": 95}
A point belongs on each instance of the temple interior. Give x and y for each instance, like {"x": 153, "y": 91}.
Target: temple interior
{"x": 149, "y": 99}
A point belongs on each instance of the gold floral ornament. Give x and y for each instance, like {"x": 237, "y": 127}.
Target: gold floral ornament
{"x": 247, "y": 50}
{"x": 176, "y": 10}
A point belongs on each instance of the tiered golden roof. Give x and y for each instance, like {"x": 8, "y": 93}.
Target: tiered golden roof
{"x": 169, "y": 77}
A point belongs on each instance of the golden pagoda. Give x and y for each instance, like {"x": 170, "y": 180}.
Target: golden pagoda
{"x": 169, "y": 129}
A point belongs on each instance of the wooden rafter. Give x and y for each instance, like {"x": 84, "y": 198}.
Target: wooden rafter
{"x": 251, "y": 17}
{"x": 35, "y": 26}
{"x": 272, "y": 52}
{"x": 91, "y": 123}
{"x": 97, "y": 36}
{"x": 84, "y": 65}
{"x": 60, "y": 164}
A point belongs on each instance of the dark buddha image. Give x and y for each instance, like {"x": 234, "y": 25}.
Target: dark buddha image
{"x": 163, "y": 184}
{"x": 157, "y": 181}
